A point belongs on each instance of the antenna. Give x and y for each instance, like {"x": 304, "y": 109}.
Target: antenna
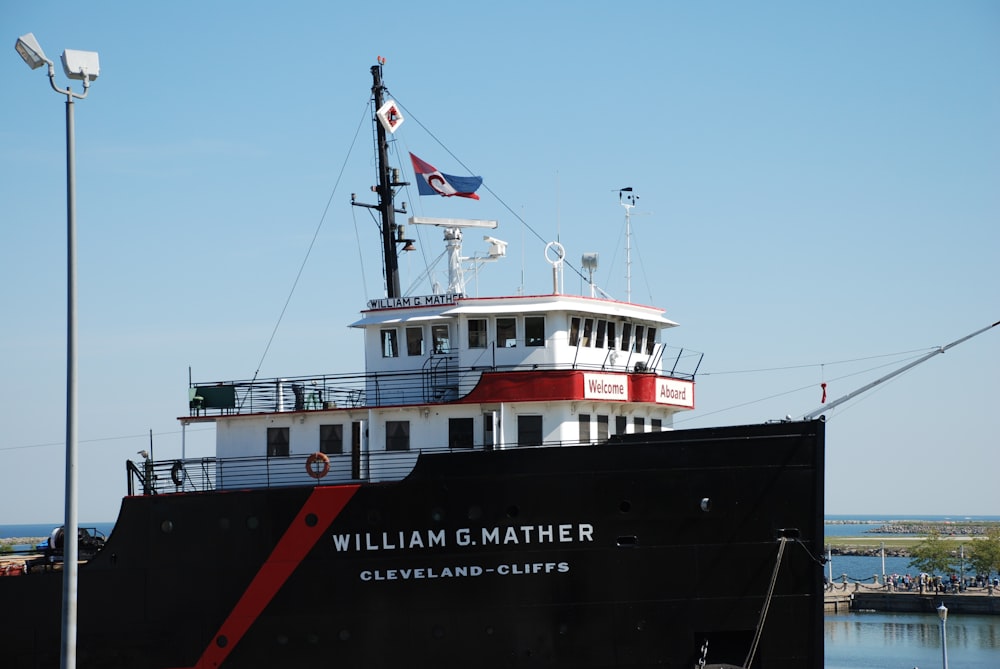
{"x": 453, "y": 243}
{"x": 627, "y": 199}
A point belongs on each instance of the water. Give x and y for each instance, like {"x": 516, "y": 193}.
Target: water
{"x": 907, "y": 640}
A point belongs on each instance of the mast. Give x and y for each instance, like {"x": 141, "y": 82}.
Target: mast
{"x": 388, "y": 180}
{"x": 865, "y": 388}
{"x": 627, "y": 199}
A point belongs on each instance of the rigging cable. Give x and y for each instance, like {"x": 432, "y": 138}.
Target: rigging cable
{"x": 312, "y": 243}
{"x": 486, "y": 187}
{"x": 800, "y": 388}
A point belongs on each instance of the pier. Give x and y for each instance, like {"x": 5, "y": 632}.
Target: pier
{"x": 859, "y": 597}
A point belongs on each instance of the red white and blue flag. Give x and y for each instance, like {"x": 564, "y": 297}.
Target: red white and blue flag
{"x": 430, "y": 181}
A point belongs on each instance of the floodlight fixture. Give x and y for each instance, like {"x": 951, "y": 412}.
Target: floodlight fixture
{"x": 81, "y": 65}
{"x": 31, "y": 51}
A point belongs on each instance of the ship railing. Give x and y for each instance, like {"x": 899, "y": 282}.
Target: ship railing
{"x": 212, "y": 474}
{"x": 208, "y": 474}
{"x": 437, "y": 382}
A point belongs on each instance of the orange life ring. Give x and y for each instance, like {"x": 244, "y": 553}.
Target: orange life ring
{"x": 322, "y": 470}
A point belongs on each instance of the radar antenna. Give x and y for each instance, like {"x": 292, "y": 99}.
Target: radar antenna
{"x": 453, "y": 243}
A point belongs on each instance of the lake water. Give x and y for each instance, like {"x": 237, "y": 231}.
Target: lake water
{"x": 907, "y": 640}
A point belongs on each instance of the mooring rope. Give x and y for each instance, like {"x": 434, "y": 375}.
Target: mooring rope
{"x": 767, "y": 604}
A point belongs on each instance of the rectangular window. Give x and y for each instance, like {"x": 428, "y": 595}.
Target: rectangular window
{"x": 588, "y": 330}
{"x": 477, "y": 333}
{"x": 529, "y": 430}
{"x": 277, "y": 442}
{"x": 611, "y": 335}
{"x": 390, "y": 345}
{"x": 639, "y": 425}
{"x": 506, "y": 332}
{"x": 650, "y": 340}
{"x": 640, "y": 333}
{"x": 331, "y": 439}
{"x": 656, "y": 424}
{"x": 620, "y": 425}
{"x": 460, "y": 433}
{"x": 584, "y": 428}
{"x": 442, "y": 341}
{"x": 626, "y": 336}
{"x": 602, "y": 429}
{"x": 414, "y": 341}
{"x": 397, "y": 435}
{"x": 534, "y": 330}
{"x": 574, "y": 331}
{"x": 602, "y": 327}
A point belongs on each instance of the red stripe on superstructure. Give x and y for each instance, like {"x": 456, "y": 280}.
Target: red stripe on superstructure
{"x": 325, "y": 503}
{"x": 526, "y": 386}
{"x": 541, "y": 386}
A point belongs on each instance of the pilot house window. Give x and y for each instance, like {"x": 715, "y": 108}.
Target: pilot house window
{"x": 414, "y": 341}
{"x": 506, "y": 332}
{"x": 534, "y": 331}
{"x": 390, "y": 343}
{"x": 477, "y": 333}
{"x": 442, "y": 342}
{"x": 626, "y": 336}
{"x": 640, "y": 333}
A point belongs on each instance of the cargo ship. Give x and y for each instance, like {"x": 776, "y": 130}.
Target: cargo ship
{"x": 502, "y": 486}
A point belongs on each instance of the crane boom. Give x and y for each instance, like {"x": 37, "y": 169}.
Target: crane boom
{"x": 837, "y": 402}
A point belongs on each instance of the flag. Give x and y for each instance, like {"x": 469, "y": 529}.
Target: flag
{"x": 432, "y": 182}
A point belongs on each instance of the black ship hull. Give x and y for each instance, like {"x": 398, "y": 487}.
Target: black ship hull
{"x": 634, "y": 553}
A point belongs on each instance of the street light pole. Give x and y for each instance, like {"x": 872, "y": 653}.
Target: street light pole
{"x": 943, "y": 615}
{"x": 71, "y": 533}
{"x": 84, "y": 66}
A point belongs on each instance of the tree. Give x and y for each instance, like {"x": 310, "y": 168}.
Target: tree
{"x": 934, "y": 555}
{"x": 984, "y": 554}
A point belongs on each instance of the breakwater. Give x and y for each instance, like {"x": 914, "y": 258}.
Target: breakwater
{"x": 923, "y": 528}
{"x": 20, "y": 541}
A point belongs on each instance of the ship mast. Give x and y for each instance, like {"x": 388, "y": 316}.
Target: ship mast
{"x": 628, "y": 199}
{"x": 388, "y": 181}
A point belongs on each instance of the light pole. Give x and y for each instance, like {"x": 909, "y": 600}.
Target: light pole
{"x": 884, "y": 584}
{"x": 943, "y": 615}
{"x": 82, "y": 66}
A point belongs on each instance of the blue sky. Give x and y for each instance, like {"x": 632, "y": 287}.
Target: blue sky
{"x": 818, "y": 182}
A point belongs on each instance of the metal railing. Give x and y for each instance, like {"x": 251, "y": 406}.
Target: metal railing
{"x": 440, "y": 380}
{"x": 210, "y": 474}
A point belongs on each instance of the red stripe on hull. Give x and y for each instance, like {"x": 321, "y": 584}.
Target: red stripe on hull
{"x": 325, "y": 504}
